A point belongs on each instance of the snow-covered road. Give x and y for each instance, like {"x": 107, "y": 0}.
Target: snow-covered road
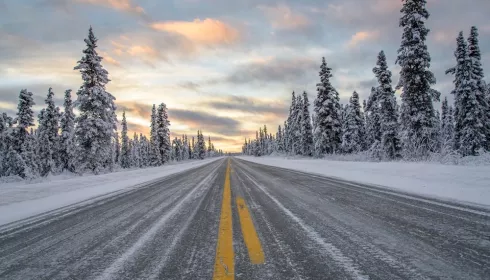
{"x": 233, "y": 219}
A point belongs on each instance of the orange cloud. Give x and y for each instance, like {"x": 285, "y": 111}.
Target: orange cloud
{"x": 120, "y": 5}
{"x": 281, "y": 17}
{"x": 207, "y": 31}
{"x": 362, "y": 36}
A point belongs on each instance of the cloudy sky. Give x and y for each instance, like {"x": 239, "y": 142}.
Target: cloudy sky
{"x": 223, "y": 66}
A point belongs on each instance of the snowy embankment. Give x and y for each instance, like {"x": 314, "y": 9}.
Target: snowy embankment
{"x": 470, "y": 184}
{"x": 21, "y": 200}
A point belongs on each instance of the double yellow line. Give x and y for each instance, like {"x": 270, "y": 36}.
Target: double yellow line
{"x": 224, "y": 265}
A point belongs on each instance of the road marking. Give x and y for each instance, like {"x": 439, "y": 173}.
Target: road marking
{"x": 252, "y": 241}
{"x": 224, "y": 264}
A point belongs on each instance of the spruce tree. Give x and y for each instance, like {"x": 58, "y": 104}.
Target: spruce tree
{"x": 478, "y": 84}
{"x": 327, "y": 108}
{"x": 390, "y": 143}
{"x": 125, "y": 149}
{"x": 67, "y": 125}
{"x": 117, "y": 150}
{"x": 469, "y": 132}
{"x": 306, "y": 129}
{"x": 352, "y": 137}
{"x": 96, "y": 124}
{"x": 280, "y": 140}
{"x": 44, "y": 146}
{"x": 24, "y": 119}
{"x": 447, "y": 128}
{"x": 417, "y": 111}
{"x": 163, "y": 133}
{"x": 155, "y": 156}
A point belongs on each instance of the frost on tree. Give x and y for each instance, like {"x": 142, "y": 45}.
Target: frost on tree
{"x": 48, "y": 138}
{"x": 163, "y": 133}
{"x": 352, "y": 137}
{"x": 478, "y": 83}
{"x": 417, "y": 111}
{"x": 96, "y": 124}
{"x": 390, "y": 143}
{"x": 67, "y": 126}
{"x": 125, "y": 149}
{"x": 447, "y": 128}
{"x": 155, "y": 157}
{"x": 469, "y": 130}
{"x": 327, "y": 109}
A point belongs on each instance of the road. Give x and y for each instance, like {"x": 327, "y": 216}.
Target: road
{"x": 232, "y": 219}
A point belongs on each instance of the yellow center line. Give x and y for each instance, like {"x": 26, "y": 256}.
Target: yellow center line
{"x": 252, "y": 241}
{"x": 224, "y": 264}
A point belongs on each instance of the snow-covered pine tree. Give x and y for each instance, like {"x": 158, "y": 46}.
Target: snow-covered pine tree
{"x": 135, "y": 152}
{"x": 327, "y": 108}
{"x": 290, "y": 121}
{"x": 117, "y": 150}
{"x": 390, "y": 143}
{"x": 295, "y": 128}
{"x": 447, "y": 128}
{"x": 280, "y": 140}
{"x": 478, "y": 83}
{"x": 469, "y": 131}
{"x": 306, "y": 129}
{"x": 125, "y": 151}
{"x": 155, "y": 156}
{"x": 67, "y": 125}
{"x": 352, "y": 136}
{"x": 44, "y": 151}
{"x": 24, "y": 119}
{"x": 53, "y": 115}
{"x": 201, "y": 146}
{"x": 163, "y": 133}
{"x": 417, "y": 110}
{"x": 373, "y": 125}
{"x": 96, "y": 124}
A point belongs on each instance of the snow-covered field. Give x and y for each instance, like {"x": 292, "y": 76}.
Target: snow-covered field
{"x": 21, "y": 200}
{"x": 470, "y": 184}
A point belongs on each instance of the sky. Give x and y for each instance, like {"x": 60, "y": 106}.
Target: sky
{"x": 226, "y": 67}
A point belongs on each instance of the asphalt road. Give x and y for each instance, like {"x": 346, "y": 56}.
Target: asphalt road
{"x": 233, "y": 219}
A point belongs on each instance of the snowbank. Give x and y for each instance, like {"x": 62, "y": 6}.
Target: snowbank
{"x": 454, "y": 182}
{"x": 21, "y": 200}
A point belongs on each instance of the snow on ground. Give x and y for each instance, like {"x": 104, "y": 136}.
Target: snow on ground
{"x": 470, "y": 184}
{"x": 21, "y": 200}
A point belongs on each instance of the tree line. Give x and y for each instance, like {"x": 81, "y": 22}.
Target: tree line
{"x": 89, "y": 141}
{"x": 413, "y": 130}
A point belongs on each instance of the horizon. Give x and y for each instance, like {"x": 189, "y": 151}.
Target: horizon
{"x": 226, "y": 69}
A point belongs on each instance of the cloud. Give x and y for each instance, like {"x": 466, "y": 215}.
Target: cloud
{"x": 249, "y": 105}
{"x": 120, "y": 5}
{"x": 362, "y": 36}
{"x": 282, "y": 17}
{"x": 201, "y": 120}
{"x": 277, "y": 70}
{"x": 190, "y": 86}
{"x": 208, "y": 31}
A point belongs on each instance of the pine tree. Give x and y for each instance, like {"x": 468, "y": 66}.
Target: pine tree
{"x": 96, "y": 124}
{"x": 390, "y": 143}
{"x": 117, "y": 149}
{"x": 136, "y": 152}
{"x": 478, "y": 84}
{"x": 280, "y": 140}
{"x": 327, "y": 108}
{"x": 24, "y": 119}
{"x": 155, "y": 156}
{"x": 352, "y": 137}
{"x": 52, "y": 115}
{"x": 44, "y": 151}
{"x": 67, "y": 125}
{"x": 125, "y": 150}
{"x": 447, "y": 128}
{"x": 417, "y": 111}
{"x": 306, "y": 129}
{"x": 373, "y": 125}
{"x": 163, "y": 133}
{"x": 469, "y": 132}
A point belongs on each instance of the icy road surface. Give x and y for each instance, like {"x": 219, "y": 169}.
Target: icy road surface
{"x": 233, "y": 219}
